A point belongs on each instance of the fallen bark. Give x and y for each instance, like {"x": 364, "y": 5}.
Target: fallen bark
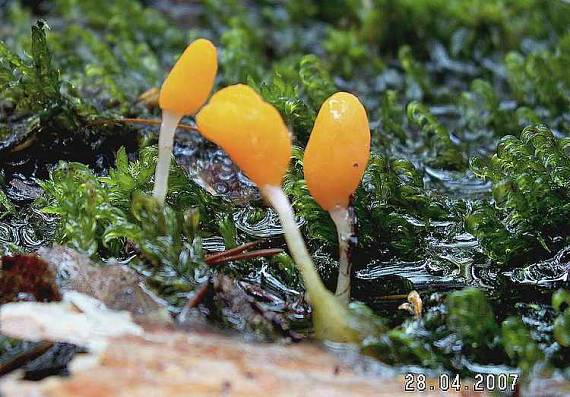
{"x": 127, "y": 359}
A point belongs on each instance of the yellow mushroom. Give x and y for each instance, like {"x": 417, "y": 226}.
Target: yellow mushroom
{"x": 335, "y": 159}
{"x": 253, "y": 133}
{"x": 184, "y": 92}
{"x": 250, "y": 130}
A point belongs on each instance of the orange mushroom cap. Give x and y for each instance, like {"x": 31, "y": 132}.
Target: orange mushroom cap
{"x": 250, "y": 130}
{"x": 190, "y": 81}
{"x": 338, "y": 151}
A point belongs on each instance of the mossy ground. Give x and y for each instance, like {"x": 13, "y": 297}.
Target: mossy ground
{"x": 469, "y": 103}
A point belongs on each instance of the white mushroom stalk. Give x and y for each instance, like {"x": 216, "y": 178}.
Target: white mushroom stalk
{"x": 165, "y": 144}
{"x": 344, "y": 222}
{"x": 330, "y": 319}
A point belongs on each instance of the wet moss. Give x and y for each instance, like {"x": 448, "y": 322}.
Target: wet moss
{"x": 446, "y": 84}
{"x": 530, "y": 176}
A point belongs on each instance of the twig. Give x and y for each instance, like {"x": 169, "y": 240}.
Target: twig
{"x": 393, "y": 297}
{"x": 198, "y": 296}
{"x": 143, "y": 121}
{"x": 231, "y": 252}
{"x": 246, "y": 255}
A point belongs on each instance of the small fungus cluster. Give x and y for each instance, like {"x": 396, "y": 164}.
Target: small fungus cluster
{"x": 255, "y": 136}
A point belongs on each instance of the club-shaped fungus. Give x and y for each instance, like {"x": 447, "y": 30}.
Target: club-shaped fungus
{"x": 335, "y": 159}
{"x": 184, "y": 92}
{"x": 253, "y": 133}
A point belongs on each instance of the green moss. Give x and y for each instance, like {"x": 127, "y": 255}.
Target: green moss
{"x": 7, "y": 206}
{"x": 75, "y": 194}
{"x": 482, "y": 110}
{"x": 471, "y": 318}
{"x": 392, "y": 191}
{"x": 240, "y": 58}
{"x": 417, "y": 83}
{"x": 530, "y": 177}
{"x": 561, "y": 303}
{"x": 442, "y": 151}
{"x": 442, "y": 81}
{"x": 34, "y": 85}
{"x": 103, "y": 208}
{"x": 297, "y": 89}
{"x": 540, "y": 78}
{"x": 519, "y": 345}
{"x": 393, "y": 118}
{"x": 345, "y": 51}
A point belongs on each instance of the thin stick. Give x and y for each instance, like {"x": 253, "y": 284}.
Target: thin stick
{"x": 344, "y": 223}
{"x": 329, "y": 317}
{"x": 231, "y": 252}
{"x": 198, "y": 296}
{"x": 392, "y": 297}
{"x": 246, "y": 255}
{"x": 145, "y": 122}
{"x": 165, "y": 143}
